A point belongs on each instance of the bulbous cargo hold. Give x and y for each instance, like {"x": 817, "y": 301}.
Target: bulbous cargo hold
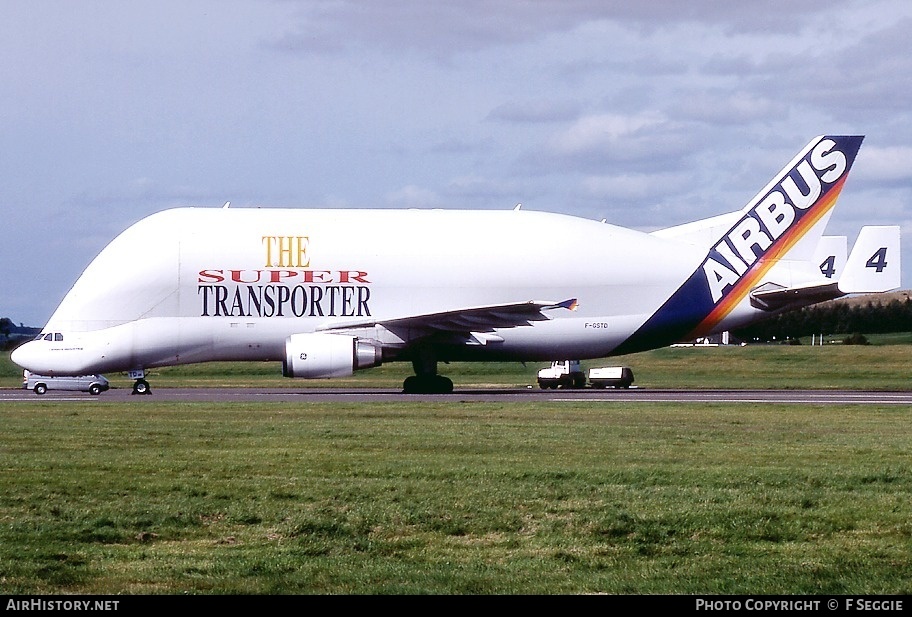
{"x": 327, "y": 292}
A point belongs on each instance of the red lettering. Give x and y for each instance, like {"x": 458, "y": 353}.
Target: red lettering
{"x": 237, "y": 276}
{"x": 211, "y": 276}
{"x": 277, "y": 276}
{"x": 347, "y": 276}
{"x": 317, "y": 276}
{"x": 283, "y": 276}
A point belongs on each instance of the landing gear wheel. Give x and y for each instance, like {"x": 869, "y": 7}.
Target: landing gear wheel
{"x": 141, "y": 386}
{"x": 444, "y": 384}
{"x": 411, "y": 384}
{"x": 427, "y": 384}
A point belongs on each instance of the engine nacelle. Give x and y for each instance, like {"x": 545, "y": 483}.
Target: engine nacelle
{"x": 319, "y": 355}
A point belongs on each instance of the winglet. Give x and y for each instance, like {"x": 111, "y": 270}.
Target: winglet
{"x": 571, "y": 305}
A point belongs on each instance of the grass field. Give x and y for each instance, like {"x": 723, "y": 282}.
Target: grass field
{"x": 464, "y": 498}
{"x": 149, "y": 497}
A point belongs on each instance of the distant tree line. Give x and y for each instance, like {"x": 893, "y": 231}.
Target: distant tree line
{"x": 833, "y": 318}
{"x": 12, "y": 335}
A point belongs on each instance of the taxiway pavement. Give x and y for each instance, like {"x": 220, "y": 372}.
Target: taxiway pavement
{"x": 529, "y": 395}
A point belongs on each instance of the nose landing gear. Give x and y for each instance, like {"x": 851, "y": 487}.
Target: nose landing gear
{"x": 140, "y": 386}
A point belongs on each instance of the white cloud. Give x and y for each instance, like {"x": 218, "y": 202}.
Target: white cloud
{"x": 641, "y": 187}
{"x": 535, "y": 111}
{"x": 605, "y": 132}
{"x": 722, "y": 106}
{"x": 413, "y": 197}
{"x": 890, "y": 164}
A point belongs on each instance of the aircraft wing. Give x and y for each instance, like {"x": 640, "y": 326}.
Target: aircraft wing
{"x": 473, "y": 321}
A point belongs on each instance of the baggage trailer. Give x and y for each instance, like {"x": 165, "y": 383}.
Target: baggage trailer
{"x": 611, "y": 377}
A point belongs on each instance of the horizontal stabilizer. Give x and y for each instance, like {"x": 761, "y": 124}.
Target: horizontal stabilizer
{"x": 772, "y": 297}
{"x": 873, "y": 267}
{"x": 874, "y": 264}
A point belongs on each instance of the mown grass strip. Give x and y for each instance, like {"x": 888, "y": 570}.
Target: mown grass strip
{"x": 105, "y": 498}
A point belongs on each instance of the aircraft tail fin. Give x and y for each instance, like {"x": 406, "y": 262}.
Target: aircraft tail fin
{"x": 831, "y": 255}
{"x": 783, "y": 223}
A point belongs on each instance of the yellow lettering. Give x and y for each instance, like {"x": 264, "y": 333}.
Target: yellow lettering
{"x": 284, "y": 251}
{"x": 267, "y": 240}
{"x": 290, "y": 251}
{"x": 303, "y": 259}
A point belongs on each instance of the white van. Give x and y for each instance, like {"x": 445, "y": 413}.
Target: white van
{"x": 93, "y": 384}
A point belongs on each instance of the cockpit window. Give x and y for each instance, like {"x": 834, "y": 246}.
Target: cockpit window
{"x": 39, "y": 337}
{"x": 58, "y": 336}
{"x": 49, "y": 337}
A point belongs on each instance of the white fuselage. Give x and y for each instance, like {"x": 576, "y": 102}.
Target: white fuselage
{"x": 194, "y": 285}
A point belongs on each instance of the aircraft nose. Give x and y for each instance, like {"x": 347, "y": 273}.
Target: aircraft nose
{"x": 24, "y": 356}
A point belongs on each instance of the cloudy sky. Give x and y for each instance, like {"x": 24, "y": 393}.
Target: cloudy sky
{"x": 647, "y": 114}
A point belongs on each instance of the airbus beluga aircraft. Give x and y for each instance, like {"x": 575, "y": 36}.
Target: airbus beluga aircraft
{"x": 327, "y": 292}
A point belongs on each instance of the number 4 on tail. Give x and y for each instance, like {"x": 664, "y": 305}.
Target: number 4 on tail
{"x": 828, "y": 267}
{"x": 878, "y": 260}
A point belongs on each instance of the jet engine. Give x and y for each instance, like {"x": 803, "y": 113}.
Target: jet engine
{"x": 320, "y": 355}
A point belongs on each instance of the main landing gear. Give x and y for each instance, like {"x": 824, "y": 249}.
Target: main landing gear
{"x": 427, "y": 384}
{"x": 426, "y": 380}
